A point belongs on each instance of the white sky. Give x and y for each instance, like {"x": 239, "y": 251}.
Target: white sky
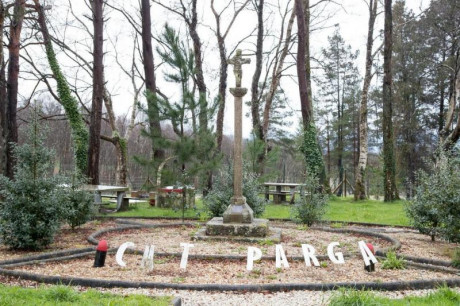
{"x": 352, "y": 18}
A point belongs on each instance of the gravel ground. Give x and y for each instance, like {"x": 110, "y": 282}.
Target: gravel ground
{"x": 167, "y": 269}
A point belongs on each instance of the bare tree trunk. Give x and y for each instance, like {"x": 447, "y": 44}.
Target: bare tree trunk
{"x": 12, "y": 83}
{"x": 98, "y": 92}
{"x": 203, "y": 115}
{"x": 360, "y": 190}
{"x": 118, "y": 141}
{"x": 150, "y": 83}
{"x": 306, "y": 7}
{"x": 451, "y": 138}
{"x": 255, "y": 96}
{"x": 305, "y": 101}
{"x": 2, "y": 96}
{"x": 222, "y": 89}
{"x": 389, "y": 171}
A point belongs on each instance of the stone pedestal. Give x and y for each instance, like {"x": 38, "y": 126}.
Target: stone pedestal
{"x": 217, "y": 227}
{"x": 238, "y": 211}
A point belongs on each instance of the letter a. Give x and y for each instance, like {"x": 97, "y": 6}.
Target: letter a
{"x": 281, "y": 257}
{"x": 367, "y": 254}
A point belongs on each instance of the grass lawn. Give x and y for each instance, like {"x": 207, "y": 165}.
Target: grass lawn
{"x": 442, "y": 297}
{"x": 63, "y": 295}
{"x": 339, "y": 209}
{"x": 347, "y": 210}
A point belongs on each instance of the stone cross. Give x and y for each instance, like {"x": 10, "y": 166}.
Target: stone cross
{"x": 238, "y": 211}
{"x": 237, "y": 61}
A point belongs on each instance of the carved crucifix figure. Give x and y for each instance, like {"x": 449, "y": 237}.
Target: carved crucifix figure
{"x": 237, "y": 61}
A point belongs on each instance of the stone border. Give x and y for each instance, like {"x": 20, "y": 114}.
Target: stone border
{"x": 89, "y": 282}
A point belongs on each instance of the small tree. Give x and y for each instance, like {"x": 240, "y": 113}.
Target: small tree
{"x": 311, "y": 206}
{"x": 218, "y": 199}
{"x": 435, "y": 210}
{"x": 78, "y": 204}
{"x": 32, "y": 210}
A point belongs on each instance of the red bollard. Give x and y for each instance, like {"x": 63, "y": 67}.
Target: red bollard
{"x": 101, "y": 252}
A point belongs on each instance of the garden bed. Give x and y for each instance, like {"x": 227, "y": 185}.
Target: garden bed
{"x": 66, "y": 238}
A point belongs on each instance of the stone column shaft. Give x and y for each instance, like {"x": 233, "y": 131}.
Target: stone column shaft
{"x": 237, "y": 149}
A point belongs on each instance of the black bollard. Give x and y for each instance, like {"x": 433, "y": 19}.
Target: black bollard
{"x": 370, "y": 268}
{"x": 101, "y": 252}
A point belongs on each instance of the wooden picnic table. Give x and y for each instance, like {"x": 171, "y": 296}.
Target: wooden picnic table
{"x": 280, "y": 195}
{"x": 122, "y": 201}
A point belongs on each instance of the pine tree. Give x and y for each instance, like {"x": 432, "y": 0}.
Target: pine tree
{"x": 192, "y": 147}
{"x": 338, "y": 88}
{"x": 31, "y": 213}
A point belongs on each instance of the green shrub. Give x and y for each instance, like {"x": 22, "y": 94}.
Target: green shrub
{"x": 393, "y": 262}
{"x": 78, "y": 204}
{"x": 32, "y": 210}
{"x": 218, "y": 199}
{"x": 312, "y": 206}
{"x": 435, "y": 210}
{"x": 456, "y": 258}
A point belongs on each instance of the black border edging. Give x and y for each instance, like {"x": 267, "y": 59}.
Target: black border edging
{"x": 89, "y": 282}
{"x": 56, "y": 254}
{"x": 428, "y": 261}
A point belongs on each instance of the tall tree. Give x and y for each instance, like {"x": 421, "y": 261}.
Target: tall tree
{"x": 310, "y": 147}
{"x": 389, "y": 167}
{"x": 338, "y": 88}
{"x": 150, "y": 83}
{"x": 2, "y": 95}
{"x": 255, "y": 96}
{"x": 70, "y": 104}
{"x": 98, "y": 92}
{"x": 14, "y": 46}
{"x": 360, "y": 191}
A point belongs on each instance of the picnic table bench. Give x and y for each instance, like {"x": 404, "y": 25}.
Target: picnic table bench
{"x": 122, "y": 199}
{"x": 279, "y": 194}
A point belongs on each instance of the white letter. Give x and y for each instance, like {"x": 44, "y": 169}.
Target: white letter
{"x": 121, "y": 251}
{"x": 281, "y": 257}
{"x": 253, "y": 254}
{"x": 183, "y": 261}
{"x": 147, "y": 259}
{"x": 309, "y": 254}
{"x": 336, "y": 258}
{"x": 366, "y": 253}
